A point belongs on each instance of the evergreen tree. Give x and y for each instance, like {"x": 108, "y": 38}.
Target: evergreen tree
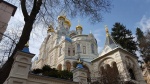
{"x": 140, "y": 38}
{"x": 124, "y": 37}
{"x": 139, "y": 34}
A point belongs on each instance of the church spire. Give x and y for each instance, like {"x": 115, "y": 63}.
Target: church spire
{"x": 50, "y": 29}
{"x": 109, "y": 39}
{"x": 79, "y": 28}
{"x": 106, "y": 29}
{"x": 26, "y": 48}
{"x": 110, "y": 43}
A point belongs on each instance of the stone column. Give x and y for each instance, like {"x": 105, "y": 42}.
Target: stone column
{"x": 20, "y": 68}
{"x": 80, "y": 75}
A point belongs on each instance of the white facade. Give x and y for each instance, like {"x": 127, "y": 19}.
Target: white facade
{"x": 62, "y": 47}
{"x": 20, "y": 72}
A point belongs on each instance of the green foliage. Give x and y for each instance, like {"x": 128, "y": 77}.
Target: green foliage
{"x": 37, "y": 71}
{"x": 65, "y": 74}
{"x": 46, "y": 68}
{"x": 139, "y": 34}
{"x": 52, "y": 72}
{"x": 124, "y": 37}
{"x": 140, "y": 37}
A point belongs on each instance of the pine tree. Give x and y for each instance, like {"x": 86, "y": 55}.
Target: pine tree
{"x": 124, "y": 37}
{"x": 139, "y": 34}
{"x": 140, "y": 38}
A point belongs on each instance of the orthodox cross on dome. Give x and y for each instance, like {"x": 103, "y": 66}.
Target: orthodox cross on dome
{"x": 63, "y": 13}
{"x": 78, "y": 22}
{"x": 106, "y": 29}
{"x": 90, "y": 32}
{"x": 51, "y": 23}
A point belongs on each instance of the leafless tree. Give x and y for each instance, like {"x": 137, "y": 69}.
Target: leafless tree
{"x": 35, "y": 11}
{"x": 7, "y": 44}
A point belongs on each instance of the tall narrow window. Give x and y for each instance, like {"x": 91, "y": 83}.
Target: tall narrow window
{"x": 84, "y": 50}
{"x": 73, "y": 51}
{"x": 59, "y": 67}
{"x": 92, "y": 48}
{"x": 68, "y": 51}
{"x": 51, "y": 60}
{"x": 131, "y": 73}
{"x": 68, "y": 66}
{"x": 60, "y": 51}
{"x": 78, "y": 47}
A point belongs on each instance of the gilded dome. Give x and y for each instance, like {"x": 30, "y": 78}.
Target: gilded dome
{"x": 79, "y": 27}
{"x": 50, "y": 29}
{"x": 61, "y": 17}
{"x": 67, "y": 22}
{"x": 27, "y": 44}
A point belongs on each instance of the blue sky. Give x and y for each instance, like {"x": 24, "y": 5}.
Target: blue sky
{"x": 131, "y": 13}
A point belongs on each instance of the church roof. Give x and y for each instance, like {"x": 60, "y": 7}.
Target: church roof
{"x": 26, "y": 48}
{"x": 68, "y": 39}
{"x": 79, "y": 66}
{"x": 110, "y": 44}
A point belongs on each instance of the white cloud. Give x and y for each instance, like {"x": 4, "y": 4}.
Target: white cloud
{"x": 144, "y": 23}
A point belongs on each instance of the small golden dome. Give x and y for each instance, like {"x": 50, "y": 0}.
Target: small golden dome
{"x": 61, "y": 17}
{"x": 68, "y": 22}
{"x": 50, "y": 29}
{"x": 27, "y": 44}
{"x": 79, "y": 27}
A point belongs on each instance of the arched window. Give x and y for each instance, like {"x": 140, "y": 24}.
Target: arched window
{"x": 78, "y": 47}
{"x": 88, "y": 73}
{"x": 131, "y": 73}
{"x": 62, "y": 23}
{"x": 73, "y": 51}
{"x": 59, "y": 67}
{"x": 92, "y": 48}
{"x": 68, "y": 51}
{"x": 84, "y": 50}
{"x": 68, "y": 66}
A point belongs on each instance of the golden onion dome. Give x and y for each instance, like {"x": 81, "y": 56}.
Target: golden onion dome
{"x": 79, "y": 27}
{"x": 27, "y": 44}
{"x": 61, "y": 17}
{"x": 68, "y": 22}
{"x": 50, "y": 29}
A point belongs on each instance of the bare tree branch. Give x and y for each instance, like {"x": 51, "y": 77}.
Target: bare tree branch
{"x": 24, "y": 10}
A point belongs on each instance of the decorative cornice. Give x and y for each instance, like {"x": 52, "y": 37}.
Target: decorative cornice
{"x": 115, "y": 50}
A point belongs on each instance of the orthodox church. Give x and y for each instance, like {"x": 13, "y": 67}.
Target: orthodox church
{"x": 62, "y": 48}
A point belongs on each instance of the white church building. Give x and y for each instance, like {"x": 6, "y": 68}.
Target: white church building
{"x": 62, "y": 48}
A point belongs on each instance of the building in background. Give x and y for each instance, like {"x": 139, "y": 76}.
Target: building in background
{"x": 6, "y": 11}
